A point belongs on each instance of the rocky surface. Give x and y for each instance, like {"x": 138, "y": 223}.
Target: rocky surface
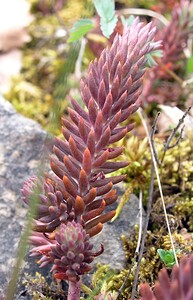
{"x": 22, "y": 153}
{"x": 21, "y": 141}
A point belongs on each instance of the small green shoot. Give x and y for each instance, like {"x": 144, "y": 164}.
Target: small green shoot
{"x": 80, "y": 28}
{"x": 189, "y": 65}
{"x": 150, "y": 57}
{"x": 127, "y": 21}
{"x": 167, "y": 256}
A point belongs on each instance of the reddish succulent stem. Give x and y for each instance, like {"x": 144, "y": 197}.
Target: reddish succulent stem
{"x": 74, "y": 290}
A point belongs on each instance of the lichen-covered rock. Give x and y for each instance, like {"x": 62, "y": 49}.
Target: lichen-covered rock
{"x": 21, "y": 141}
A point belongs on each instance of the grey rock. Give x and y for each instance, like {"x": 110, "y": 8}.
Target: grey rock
{"x": 21, "y": 141}
{"x": 110, "y": 236}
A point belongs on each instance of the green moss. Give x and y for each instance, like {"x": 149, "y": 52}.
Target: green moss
{"x": 39, "y": 289}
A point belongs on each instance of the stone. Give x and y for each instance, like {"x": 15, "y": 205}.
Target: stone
{"x": 21, "y": 141}
{"x": 110, "y": 236}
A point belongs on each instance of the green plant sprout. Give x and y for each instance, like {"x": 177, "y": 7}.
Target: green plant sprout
{"x": 167, "y": 256}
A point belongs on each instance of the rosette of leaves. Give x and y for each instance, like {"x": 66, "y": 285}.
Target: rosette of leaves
{"x": 167, "y": 256}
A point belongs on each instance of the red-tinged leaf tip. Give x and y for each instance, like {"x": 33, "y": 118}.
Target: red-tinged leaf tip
{"x": 104, "y": 140}
{"x": 101, "y": 94}
{"x": 69, "y": 186}
{"x": 83, "y": 182}
{"x": 79, "y": 206}
{"x": 115, "y": 120}
{"x": 74, "y": 171}
{"x": 91, "y": 142}
{"x": 98, "y": 126}
{"x": 82, "y": 129}
{"x": 102, "y": 190}
{"x": 92, "y": 85}
{"x": 95, "y": 212}
{"x": 95, "y": 230}
{"x": 118, "y": 136}
{"x": 87, "y": 164}
{"x": 73, "y": 115}
{"x": 101, "y": 219}
{"x": 60, "y": 276}
{"x": 145, "y": 292}
{"x": 56, "y": 169}
{"x": 92, "y": 110}
{"x": 107, "y": 106}
{"x": 74, "y": 149}
{"x": 110, "y": 194}
{"x": 90, "y": 196}
{"x": 101, "y": 159}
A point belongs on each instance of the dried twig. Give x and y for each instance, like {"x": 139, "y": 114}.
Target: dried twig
{"x": 174, "y": 131}
{"x": 153, "y": 169}
{"x": 159, "y": 182}
{"x": 138, "y": 245}
{"x": 172, "y": 74}
{"x": 152, "y": 138}
{"x": 140, "y": 221}
{"x": 144, "y": 231}
{"x": 167, "y": 145}
{"x": 144, "y": 12}
{"x": 78, "y": 64}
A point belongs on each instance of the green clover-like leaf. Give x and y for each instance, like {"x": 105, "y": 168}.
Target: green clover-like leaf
{"x": 167, "y": 256}
{"x": 80, "y": 28}
{"x": 108, "y": 19}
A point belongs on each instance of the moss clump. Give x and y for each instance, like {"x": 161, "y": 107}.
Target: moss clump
{"x": 151, "y": 262}
{"x": 39, "y": 289}
{"x": 176, "y": 171}
{"x": 184, "y": 209}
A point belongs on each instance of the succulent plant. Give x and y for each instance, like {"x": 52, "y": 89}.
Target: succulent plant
{"x": 175, "y": 38}
{"x": 72, "y": 202}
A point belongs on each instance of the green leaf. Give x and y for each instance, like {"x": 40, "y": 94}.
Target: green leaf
{"x": 167, "y": 256}
{"x": 108, "y": 27}
{"x": 189, "y": 65}
{"x": 150, "y": 57}
{"x": 128, "y": 21}
{"x": 80, "y": 28}
{"x": 108, "y": 19}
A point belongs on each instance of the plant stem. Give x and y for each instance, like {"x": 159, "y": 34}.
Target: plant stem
{"x": 144, "y": 232}
{"x": 159, "y": 182}
{"x": 144, "y": 12}
{"x": 74, "y": 290}
{"x": 138, "y": 245}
